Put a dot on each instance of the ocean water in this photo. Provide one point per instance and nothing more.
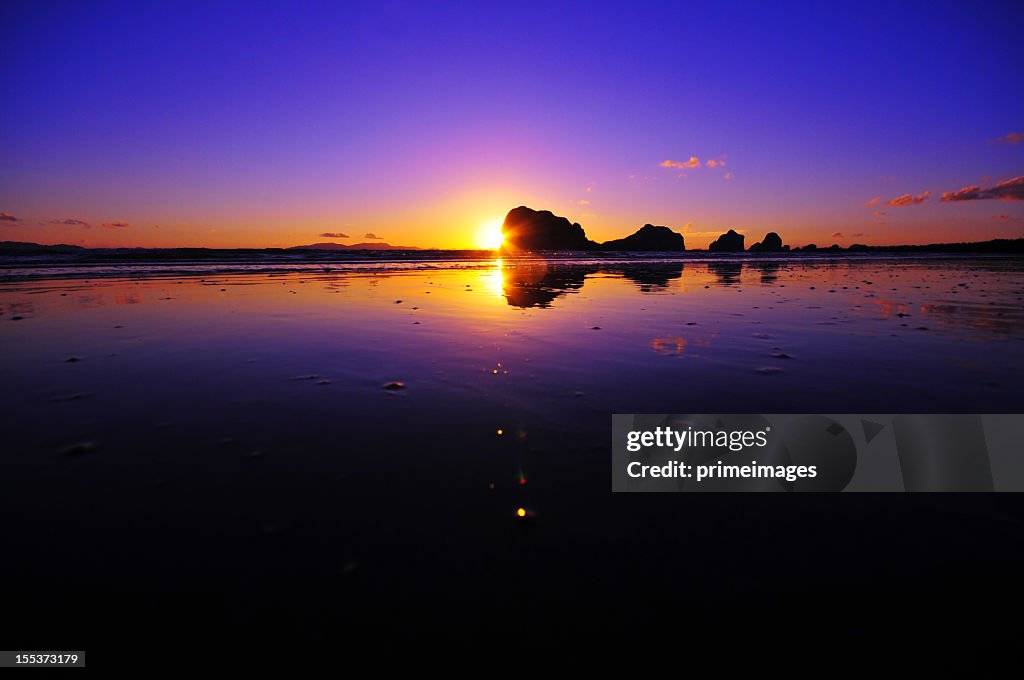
(340, 448)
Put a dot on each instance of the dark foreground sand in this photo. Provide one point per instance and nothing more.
(218, 460)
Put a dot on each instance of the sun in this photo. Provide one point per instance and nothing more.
(489, 237)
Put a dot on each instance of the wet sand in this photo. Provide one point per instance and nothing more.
(331, 456)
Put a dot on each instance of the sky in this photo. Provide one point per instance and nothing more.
(225, 124)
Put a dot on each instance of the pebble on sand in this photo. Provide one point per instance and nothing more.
(769, 370)
(71, 360)
(78, 449)
(395, 385)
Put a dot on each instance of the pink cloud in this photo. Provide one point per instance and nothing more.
(693, 162)
(908, 199)
(1007, 190)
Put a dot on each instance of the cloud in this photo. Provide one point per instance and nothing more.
(584, 202)
(8, 217)
(373, 236)
(590, 188)
(1012, 138)
(873, 201)
(908, 199)
(333, 234)
(1007, 218)
(879, 213)
(729, 175)
(694, 162)
(72, 222)
(116, 225)
(1008, 190)
(840, 234)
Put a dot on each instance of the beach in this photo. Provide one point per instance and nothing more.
(342, 451)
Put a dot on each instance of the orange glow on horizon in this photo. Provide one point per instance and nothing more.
(468, 221)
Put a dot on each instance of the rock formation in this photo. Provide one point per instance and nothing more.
(525, 229)
(729, 242)
(772, 243)
(648, 238)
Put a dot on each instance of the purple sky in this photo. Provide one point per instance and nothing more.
(424, 123)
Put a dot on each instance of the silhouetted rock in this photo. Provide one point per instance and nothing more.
(729, 242)
(772, 243)
(527, 229)
(647, 238)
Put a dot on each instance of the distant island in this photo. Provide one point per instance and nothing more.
(525, 229)
(354, 246)
(528, 230)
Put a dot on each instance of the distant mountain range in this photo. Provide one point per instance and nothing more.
(28, 248)
(354, 246)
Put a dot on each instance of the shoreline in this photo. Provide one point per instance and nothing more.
(21, 268)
